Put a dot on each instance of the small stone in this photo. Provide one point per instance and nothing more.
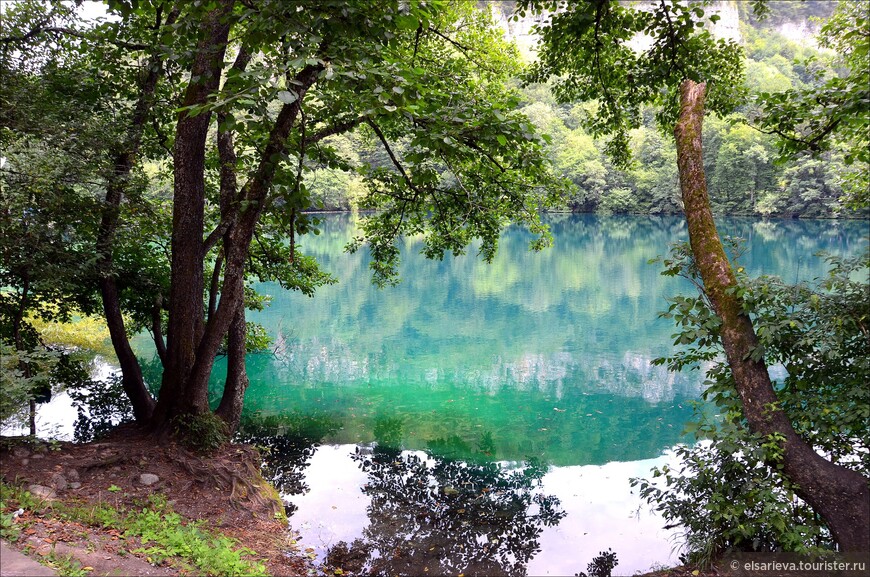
(24, 462)
(38, 456)
(75, 485)
(20, 452)
(42, 492)
(59, 482)
(72, 475)
(148, 478)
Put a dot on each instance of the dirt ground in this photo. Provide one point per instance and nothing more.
(223, 489)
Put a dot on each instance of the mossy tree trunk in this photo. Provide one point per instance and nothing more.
(839, 495)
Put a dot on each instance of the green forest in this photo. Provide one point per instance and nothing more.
(164, 166)
(746, 172)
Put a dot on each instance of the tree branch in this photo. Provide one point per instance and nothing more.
(70, 32)
(392, 156)
(338, 128)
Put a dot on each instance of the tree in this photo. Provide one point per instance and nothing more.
(722, 493)
(743, 165)
(259, 87)
(45, 207)
(587, 47)
(817, 118)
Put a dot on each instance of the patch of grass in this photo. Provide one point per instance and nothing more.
(13, 498)
(9, 529)
(67, 565)
(209, 553)
(164, 535)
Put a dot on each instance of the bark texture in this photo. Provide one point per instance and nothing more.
(839, 495)
(186, 315)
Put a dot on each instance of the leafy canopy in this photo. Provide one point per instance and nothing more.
(625, 56)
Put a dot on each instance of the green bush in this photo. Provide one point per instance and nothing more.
(203, 433)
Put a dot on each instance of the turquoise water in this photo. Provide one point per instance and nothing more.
(448, 383)
(549, 354)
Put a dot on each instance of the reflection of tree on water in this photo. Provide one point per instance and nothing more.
(286, 443)
(430, 515)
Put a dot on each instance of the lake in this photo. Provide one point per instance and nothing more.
(487, 418)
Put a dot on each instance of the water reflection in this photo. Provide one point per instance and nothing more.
(549, 351)
(437, 516)
(370, 510)
(286, 444)
(428, 512)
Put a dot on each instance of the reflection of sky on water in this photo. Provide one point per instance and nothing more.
(603, 512)
(54, 420)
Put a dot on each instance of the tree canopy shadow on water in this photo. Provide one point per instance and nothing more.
(433, 515)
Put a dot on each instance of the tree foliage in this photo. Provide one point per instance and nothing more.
(815, 337)
(836, 112)
(591, 50)
(207, 122)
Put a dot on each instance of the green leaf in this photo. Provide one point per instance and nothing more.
(287, 97)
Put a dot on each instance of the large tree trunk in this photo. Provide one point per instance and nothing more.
(839, 495)
(190, 382)
(186, 322)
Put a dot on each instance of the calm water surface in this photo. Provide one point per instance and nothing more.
(487, 418)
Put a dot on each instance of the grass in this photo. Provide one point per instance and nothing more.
(164, 535)
(67, 565)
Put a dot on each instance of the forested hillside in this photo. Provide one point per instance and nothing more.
(746, 173)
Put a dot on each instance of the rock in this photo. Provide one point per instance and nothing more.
(148, 478)
(24, 462)
(72, 475)
(75, 485)
(42, 492)
(38, 456)
(59, 482)
(20, 452)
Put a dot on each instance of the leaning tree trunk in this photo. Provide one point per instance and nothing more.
(839, 495)
(131, 373)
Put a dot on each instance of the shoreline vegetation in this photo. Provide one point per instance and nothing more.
(147, 180)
